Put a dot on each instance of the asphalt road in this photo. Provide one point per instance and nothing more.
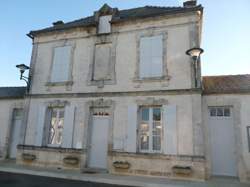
(21, 180)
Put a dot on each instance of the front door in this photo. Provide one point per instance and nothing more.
(222, 141)
(15, 132)
(99, 142)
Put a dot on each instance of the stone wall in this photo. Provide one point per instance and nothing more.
(48, 157)
(174, 167)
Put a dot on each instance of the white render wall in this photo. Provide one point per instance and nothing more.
(241, 116)
(6, 110)
(184, 119)
(179, 38)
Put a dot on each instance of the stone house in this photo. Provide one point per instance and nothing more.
(116, 92)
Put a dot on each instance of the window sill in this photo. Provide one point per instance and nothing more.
(152, 79)
(65, 83)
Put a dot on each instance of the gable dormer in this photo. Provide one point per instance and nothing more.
(103, 19)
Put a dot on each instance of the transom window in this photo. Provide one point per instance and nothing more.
(150, 129)
(151, 56)
(56, 126)
(220, 111)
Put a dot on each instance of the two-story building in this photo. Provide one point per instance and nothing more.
(116, 92)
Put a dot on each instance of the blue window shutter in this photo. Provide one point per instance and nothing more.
(68, 126)
(40, 125)
(131, 129)
(170, 129)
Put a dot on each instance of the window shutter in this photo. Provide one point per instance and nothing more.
(145, 57)
(102, 62)
(156, 56)
(68, 126)
(131, 129)
(61, 64)
(104, 24)
(40, 125)
(170, 129)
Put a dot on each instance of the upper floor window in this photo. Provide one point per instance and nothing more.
(102, 69)
(150, 129)
(104, 24)
(151, 57)
(56, 126)
(61, 64)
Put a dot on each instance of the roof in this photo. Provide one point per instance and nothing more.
(224, 84)
(12, 92)
(120, 15)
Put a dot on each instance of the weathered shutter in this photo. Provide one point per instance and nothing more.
(104, 24)
(170, 129)
(145, 57)
(131, 129)
(61, 64)
(40, 125)
(156, 56)
(68, 126)
(102, 62)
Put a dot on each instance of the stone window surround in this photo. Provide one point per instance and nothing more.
(150, 33)
(109, 106)
(148, 102)
(103, 39)
(68, 83)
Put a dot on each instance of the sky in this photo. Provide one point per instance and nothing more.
(225, 34)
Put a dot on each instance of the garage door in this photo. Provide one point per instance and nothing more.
(222, 141)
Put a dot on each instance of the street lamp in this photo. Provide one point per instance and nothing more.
(23, 68)
(195, 54)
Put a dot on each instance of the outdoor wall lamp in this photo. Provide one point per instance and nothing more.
(23, 68)
(195, 53)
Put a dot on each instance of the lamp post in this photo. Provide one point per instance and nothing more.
(23, 68)
(195, 54)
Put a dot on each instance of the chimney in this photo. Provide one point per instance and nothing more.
(58, 23)
(190, 3)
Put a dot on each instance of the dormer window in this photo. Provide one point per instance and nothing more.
(104, 24)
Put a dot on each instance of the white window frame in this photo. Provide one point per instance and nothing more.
(150, 122)
(49, 124)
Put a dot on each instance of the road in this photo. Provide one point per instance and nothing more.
(22, 180)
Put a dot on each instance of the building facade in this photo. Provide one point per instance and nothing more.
(116, 92)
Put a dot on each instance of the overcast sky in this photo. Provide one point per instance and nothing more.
(225, 37)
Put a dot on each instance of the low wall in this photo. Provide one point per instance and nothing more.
(174, 167)
(60, 158)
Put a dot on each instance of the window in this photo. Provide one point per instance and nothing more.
(220, 111)
(102, 62)
(150, 129)
(151, 56)
(61, 64)
(104, 24)
(56, 126)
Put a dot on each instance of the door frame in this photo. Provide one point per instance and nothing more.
(109, 106)
(10, 132)
(235, 111)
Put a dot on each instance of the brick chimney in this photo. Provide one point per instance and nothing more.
(190, 3)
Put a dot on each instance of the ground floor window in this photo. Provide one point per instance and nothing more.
(56, 126)
(150, 129)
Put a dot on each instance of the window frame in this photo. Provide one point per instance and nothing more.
(150, 123)
(217, 108)
(49, 119)
(165, 77)
(69, 82)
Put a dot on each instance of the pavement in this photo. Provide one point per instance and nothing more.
(75, 179)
